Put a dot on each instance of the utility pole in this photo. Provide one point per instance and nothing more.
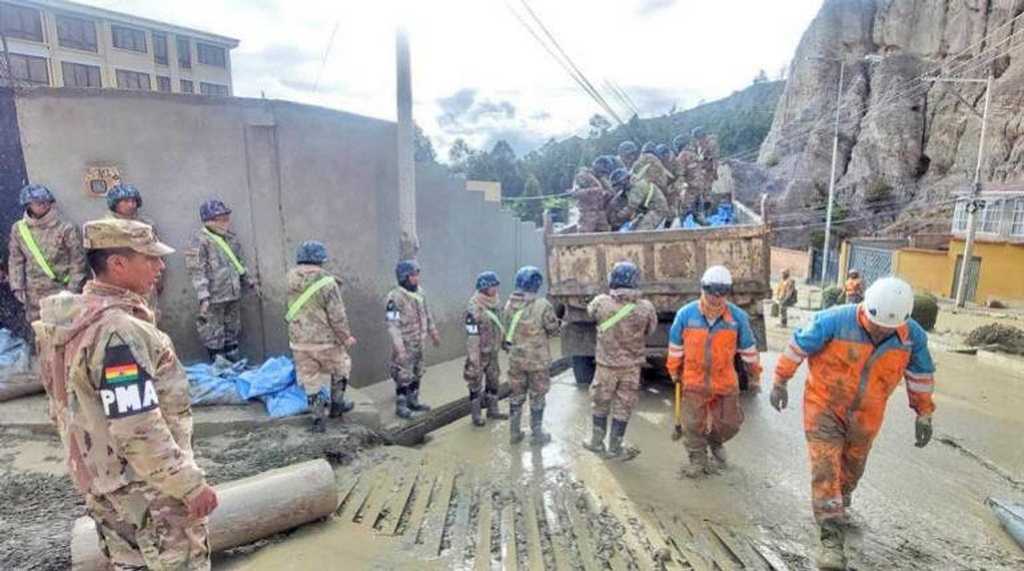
(408, 242)
(972, 203)
(832, 176)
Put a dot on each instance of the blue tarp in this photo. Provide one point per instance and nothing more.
(273, 383)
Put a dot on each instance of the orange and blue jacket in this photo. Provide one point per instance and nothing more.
(701, 354)
(850, 375)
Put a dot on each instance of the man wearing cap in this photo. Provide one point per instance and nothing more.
(857, 356)
(124, 202)
(45, 253)
(128, 428)
(409, 322)
(219, 277)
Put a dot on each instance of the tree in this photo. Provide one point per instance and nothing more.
(761, 77)
(532, 209)
(599, 125)
(423, 148)
(459, 155)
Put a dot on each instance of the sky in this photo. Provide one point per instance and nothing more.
(477, 73)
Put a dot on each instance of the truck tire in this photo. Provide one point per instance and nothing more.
(583, 369)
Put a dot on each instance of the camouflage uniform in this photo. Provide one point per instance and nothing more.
(529, 347)
(649, 204)
(484, 333)
(318, 336)
(61, 245)
(120, 397)
(706, 151)
(216, 280)
(409, 323)
(676, 193)
(621, 351)
(650, 168)
(592, 199)
(153, 299)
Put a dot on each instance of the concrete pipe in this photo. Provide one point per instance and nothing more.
(250, 509)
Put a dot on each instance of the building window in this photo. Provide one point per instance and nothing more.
(129, 38)
(76, 33)
(213, 89)
(163, 83)
(80, 75)
(990, 214)
(186, 86)
(133, 80)
(30, 69)
(21, 22)
(960, 216)
(160, 48)
(1017, 228)
(184, 53)
(211, 55)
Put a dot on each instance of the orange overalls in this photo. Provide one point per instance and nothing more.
(849, 385)
(701, 356)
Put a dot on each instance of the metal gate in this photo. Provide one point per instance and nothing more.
(831, 274)
(973, 271)
(873, 263)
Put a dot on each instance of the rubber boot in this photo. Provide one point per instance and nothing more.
(616, 449)
(476, 409)
(831, 555)
(493, 412)
(316, 406)
(414, 402)
(719, 459)
(596, 444)
(698, 467)
(340, 408)
(515, 423)
(402, 409)
(537, 435)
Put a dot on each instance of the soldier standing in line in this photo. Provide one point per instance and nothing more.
(319, 334)
(121, 402)
(531, 325)
(45, 254)
(409, 324)
(484, 334)
(592, 200)
(624, 323)
(219, 277)
(124, 202)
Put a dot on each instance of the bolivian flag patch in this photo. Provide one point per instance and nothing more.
(126, 388)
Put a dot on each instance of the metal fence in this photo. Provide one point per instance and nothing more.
(873, 263)
(831, 274)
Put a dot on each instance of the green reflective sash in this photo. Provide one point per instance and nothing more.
(515, 323)
(226, 248)
(650, 193)
(37, 254)
(495, 319)
(310, 291)
(412, 294)
(621, 314)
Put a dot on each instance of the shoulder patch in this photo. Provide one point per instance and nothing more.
(472, 326)
(126, 388)
(391, 311)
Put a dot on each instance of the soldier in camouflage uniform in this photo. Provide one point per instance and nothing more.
(592, 199)
(319, 334)
(531, 323)
(409, 324)
(484, 334)
(628, 153)
(704, 149)
(645, 201)
(650, 168)
(120, 397)
(624, 321)
(219, 277)
(617, 207)
(124, 202)
(45, 254)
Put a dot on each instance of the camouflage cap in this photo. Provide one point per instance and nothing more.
(109, 233)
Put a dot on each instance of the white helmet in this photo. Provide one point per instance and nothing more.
(889, 302)
(717, 275)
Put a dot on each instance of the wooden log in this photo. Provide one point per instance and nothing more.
(250, 509)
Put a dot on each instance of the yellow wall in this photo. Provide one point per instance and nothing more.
(927, 270)
(1002, 270)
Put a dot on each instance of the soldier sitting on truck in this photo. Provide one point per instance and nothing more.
(646, 202)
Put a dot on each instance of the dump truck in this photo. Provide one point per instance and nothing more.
(671, 263)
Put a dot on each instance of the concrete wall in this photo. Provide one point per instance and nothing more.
(798, 262)
(1000, 274)
(291, 173)
(928, 271)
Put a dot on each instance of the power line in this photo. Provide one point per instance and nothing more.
(327, 51)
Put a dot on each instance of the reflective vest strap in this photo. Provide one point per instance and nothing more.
(226, 248)
(650, 193)
(37, 254)
(310, 291)
(621, 314)
(495, 319)
(515, 323)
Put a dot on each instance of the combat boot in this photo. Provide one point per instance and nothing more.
(719, 458)
(414, 402)
(537, 435)
(402, 409)
(340, 408)
(596, 444)
(515, 423)
(493, 412)
(616, 449)
(698, 467)
(316, 406)
(831, 555)
(476, 409)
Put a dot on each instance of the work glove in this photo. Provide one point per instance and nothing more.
(779, 397)
(923, 430)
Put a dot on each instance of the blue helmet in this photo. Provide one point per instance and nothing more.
(624, 275)
(529, 279)
(486, 280)
(603, 165)
(311, 252)
(212, 209)
(35, 193)
(123, 192)
(619, 178)
(405, 269)
(627, 148)
(679, 143)
(697, 132)
(663, 152)
(649, 147)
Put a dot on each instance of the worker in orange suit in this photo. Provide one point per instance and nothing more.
(854, 288)
(704, 340)
(857, 355)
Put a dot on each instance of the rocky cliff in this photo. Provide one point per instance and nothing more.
(905, 144)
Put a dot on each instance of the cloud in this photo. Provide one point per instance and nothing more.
(648, 7)
(465, 110)
(455, 106)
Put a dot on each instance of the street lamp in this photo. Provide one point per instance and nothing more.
(972, 204)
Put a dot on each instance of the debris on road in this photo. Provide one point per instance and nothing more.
(1005, 338)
